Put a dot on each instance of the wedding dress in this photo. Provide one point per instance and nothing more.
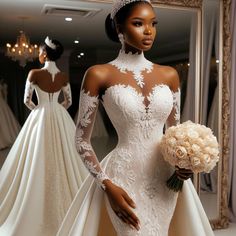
(135, 164)
(9, 126)
(43, 170)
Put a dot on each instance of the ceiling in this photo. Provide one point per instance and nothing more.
(173, 27)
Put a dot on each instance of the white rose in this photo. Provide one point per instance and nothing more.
(196, 148)
(171, 142)
(183, 164)
(195, 161)
(179, 135)
(192, 134)
(181, 152)
(207, 158)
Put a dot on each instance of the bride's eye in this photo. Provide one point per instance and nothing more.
(137, 23)
(154, 23)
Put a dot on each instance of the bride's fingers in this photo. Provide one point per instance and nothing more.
(129, 200)
(131, 221)
(122, 217)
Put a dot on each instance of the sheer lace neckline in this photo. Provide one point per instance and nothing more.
(135, 63)
(51, 67)
(140, 95)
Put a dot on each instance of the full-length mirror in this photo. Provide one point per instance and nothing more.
(211, 98)
(189, 38)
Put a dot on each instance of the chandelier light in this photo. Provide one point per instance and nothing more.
(22, 51)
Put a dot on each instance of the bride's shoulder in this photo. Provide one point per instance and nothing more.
(32, 75)
(98, 71)
(96, 76)
(168, 74)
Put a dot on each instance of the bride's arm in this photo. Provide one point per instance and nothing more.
(29, 89)
(67, 96)
(88, 105)
(174, 117)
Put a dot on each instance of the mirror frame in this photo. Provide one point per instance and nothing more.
(224, 72)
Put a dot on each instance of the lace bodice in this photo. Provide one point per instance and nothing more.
(134, 122)
(45, 97)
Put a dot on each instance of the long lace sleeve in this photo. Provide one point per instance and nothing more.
(87, 112)
(174, 117)
(67, 96)
(29, 89)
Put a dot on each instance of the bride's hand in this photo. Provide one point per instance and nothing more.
(121, 204)
(182, 173)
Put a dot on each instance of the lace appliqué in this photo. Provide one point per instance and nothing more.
(145, 117)
(51, 67)
(67, 96)
(176, 105)
(87, 113)
(29, 89)
(136, 63)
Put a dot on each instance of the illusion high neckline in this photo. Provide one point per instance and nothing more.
(51, 67)
(136, 63)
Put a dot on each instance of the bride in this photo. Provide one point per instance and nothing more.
(140, 97)
(43, 171)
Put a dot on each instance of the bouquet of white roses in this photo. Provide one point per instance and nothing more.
(189, 146)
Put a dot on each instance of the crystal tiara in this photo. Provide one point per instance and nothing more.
(118, 4)
(49, 43)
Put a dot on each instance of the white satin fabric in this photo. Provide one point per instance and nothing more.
(42, 172)
(87, 214)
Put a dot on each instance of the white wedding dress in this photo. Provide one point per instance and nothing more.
(9, 126)
(43, 170)
(135, 164)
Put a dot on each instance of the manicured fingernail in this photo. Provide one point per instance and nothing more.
(132, 226)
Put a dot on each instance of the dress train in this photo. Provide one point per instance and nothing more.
(87, 214)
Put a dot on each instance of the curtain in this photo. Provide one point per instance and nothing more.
(209, 111)
(188, 112)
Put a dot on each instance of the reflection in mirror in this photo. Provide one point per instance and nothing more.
(9, 126)
(210, 87)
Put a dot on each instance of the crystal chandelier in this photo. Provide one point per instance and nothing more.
(22, 51)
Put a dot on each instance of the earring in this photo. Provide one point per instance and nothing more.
(121, 39)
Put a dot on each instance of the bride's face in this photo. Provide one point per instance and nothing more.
(139, 29)
(41, 55)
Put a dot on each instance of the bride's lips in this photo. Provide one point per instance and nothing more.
(147, 41)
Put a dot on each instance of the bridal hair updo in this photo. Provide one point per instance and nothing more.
(53, 53)
(119, 19)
